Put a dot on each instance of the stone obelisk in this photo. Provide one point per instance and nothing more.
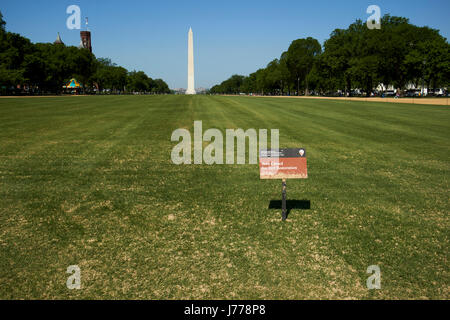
(191, 84)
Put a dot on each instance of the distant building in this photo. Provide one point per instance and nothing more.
(86, 40)
(58, 40)
(179, 90)
(201, 90)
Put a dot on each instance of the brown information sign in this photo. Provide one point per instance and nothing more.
(283, 164)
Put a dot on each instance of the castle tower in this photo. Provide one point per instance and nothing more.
(58, 40)
(86, 38)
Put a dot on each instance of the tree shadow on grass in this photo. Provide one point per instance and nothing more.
(291, 204)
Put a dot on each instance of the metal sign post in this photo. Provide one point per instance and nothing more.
(283, 200)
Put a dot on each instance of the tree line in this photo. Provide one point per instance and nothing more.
(46, 67)
(398, 54)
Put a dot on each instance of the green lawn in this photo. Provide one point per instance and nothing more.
(88, 181)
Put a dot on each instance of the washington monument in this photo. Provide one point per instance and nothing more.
(191, 85)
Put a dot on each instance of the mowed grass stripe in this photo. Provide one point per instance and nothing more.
(89, 181)
(368, 168)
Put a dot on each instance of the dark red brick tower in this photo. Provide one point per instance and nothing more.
(86, 40)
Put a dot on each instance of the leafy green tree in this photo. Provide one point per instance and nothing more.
(160, 87)
(355, 58)
(249, 84)
(261, 81)
(46, 67)
(397, 54)
(110, 76)
(274, 77)
(429, 62)
(49, 66)
(13, 49)
(137, 81)
(284, 73)
(2, 23)
(300, 59)
(230, 86)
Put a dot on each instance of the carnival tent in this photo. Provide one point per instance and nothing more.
(73, 84)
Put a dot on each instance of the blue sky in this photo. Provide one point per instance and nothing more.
(229, 36)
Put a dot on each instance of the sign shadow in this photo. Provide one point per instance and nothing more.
(290, 204)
